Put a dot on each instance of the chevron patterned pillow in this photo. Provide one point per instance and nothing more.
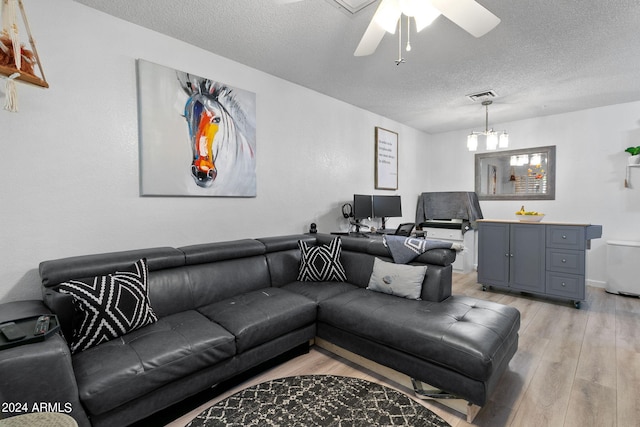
(321, 263)
(109, 306)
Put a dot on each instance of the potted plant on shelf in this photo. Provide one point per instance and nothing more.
(635, 155)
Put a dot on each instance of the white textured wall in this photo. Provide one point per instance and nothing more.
(69, 159)
(590, 172)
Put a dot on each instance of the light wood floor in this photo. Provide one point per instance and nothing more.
(573, 367)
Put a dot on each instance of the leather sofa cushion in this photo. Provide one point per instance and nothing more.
(35, 373)
(283, 266)
(214, 282)
(60, 270)
(358, 267)
(283, 243)
(319, 291)
(464, 334)
(260, 316)
(141, 361)
(219, 251)
(170, 291)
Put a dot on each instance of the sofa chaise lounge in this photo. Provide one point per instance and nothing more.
(222, 308)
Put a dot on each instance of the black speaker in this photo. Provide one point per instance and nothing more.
(313, 229)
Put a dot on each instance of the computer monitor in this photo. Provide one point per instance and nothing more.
(387, 206)
(362, 206)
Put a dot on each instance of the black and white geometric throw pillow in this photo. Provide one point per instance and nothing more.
(109, 306)
(321, 263)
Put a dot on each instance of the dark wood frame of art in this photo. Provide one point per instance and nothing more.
(384, 176)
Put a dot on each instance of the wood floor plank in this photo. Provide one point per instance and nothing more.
(601, 306)
(628, 398)
(591, 405)
(595, 364)
(627, 330)
(522, 369)
(546, 399)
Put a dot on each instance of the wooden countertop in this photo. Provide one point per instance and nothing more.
(543, 222)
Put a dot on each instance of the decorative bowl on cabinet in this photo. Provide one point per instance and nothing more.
(530, 218)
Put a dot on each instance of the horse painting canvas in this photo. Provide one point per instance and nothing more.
(197, 135)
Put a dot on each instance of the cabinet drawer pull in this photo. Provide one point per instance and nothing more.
(564, 237)
(564, 260)
(563, 284)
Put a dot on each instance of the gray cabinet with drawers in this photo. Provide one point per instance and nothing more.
(540, 258)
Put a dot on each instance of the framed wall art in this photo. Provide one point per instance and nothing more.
(197, 135)
(386, 159)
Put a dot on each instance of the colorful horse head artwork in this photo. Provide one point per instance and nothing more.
(220, 135)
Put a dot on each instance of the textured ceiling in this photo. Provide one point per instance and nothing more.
(545, 57)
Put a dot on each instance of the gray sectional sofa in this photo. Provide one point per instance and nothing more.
(223, 308)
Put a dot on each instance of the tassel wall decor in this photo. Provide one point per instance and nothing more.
(10, 29)
(16, 62)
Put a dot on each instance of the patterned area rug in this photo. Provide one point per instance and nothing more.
(318, 400)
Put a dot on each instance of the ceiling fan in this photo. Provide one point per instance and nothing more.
(468, 14)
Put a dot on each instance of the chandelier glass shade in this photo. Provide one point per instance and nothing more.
(493, 138)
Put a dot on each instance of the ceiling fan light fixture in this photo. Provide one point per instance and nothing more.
(387, 15)
(467, 14)
(410, 7)
(425, 14)
(423, 21)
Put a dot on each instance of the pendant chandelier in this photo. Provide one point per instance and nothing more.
(493, 140)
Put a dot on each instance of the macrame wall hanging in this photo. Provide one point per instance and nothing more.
(17, 62)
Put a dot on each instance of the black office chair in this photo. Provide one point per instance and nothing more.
(405, 229)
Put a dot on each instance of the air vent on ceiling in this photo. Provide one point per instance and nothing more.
(351, 6)
(482, 96)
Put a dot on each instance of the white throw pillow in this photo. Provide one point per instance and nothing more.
(397, 279)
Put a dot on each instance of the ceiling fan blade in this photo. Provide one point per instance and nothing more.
(383, 18)
(469, 15)
(370, 40)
